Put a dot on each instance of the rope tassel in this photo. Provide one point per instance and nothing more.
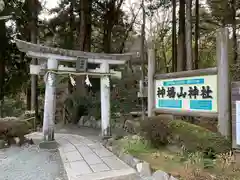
(87, 81)
(73, 82)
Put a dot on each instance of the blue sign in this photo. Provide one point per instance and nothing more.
(183, 82)
(169, 103)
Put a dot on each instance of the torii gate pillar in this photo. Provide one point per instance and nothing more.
(105, 101)
(50, 101)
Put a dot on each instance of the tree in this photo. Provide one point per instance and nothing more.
(3, 52)
(181, 64)
(12, 62)
(189, 59)
(196, 34)
(174, 37)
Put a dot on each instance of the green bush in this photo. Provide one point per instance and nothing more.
(13, 107)
(191, 137)
(156, 132)
(194, 137)
(30, 117)
(13, 127)
(83, 105)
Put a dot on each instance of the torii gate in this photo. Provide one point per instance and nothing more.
(54, 57)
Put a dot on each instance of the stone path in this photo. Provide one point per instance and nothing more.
(86, 159)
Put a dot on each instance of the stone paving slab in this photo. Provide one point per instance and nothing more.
(85, 159)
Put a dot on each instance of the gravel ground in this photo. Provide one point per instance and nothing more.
(30, 163)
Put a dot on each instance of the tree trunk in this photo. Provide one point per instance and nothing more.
(234, 29)
(196, 34)
(28, 100)
(143, 58)
(189, 34)
(85, 25)
(2, 82)
(34, 78)
(111, 16)
(181, 38)
(3, 49)
(84, 38)
(108, 26)
(174, 37)
(71, 25)
(107, 37)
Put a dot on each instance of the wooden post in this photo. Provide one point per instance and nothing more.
(151, 72)
(223, 82)
(50, 102)
(105, 101)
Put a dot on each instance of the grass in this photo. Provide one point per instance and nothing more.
(183, 165)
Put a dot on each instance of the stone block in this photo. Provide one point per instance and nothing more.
(99, 167)
(84, 150)
(80, 167)
(73, 156)
(92, 159)
(88, 123)
(50, 145)
(144, 169)
(17, 141)
(82, 120)
(2, 144)
(103, 152)
(96, 146)
(130, 160)
(93, 122)
(68, 148)
(114, 163)
(161, 175)
(110, 148)
(99, 124)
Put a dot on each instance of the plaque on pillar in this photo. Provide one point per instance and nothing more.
(81, 64)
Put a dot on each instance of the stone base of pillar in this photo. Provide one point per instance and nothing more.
(48, 135)
(49, 145)
(106, 133)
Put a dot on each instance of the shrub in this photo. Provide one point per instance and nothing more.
(192, 137)
(12, 107)
(156, 132)
(30, 117)
(79, 105)
(11, 127)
